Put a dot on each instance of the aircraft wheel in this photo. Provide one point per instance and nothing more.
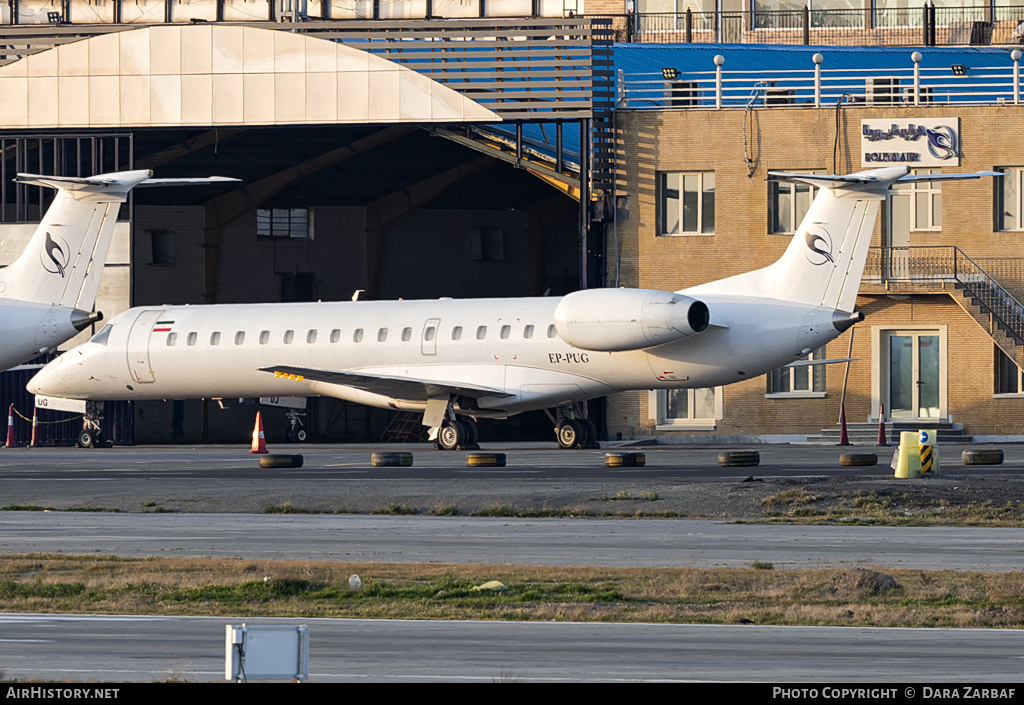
(570, 434)
(472, 432)
(297, 435)
(87, 439)
(451, 436)
(589, 430)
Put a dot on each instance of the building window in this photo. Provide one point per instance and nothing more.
(162, 242)
(801, 380)
(687, 203)
(925, 201)
(487, 244)
(1010, 199)
(692, 409)
(788, 203)
(294, 223)
(1009, 377)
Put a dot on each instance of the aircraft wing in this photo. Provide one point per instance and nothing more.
(387, 385)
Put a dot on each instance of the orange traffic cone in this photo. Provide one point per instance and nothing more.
(259, 443)
(11, 443)
(34, 443)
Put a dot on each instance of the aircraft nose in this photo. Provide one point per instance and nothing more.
(46, 382)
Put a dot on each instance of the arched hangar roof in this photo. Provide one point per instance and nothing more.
(219, 75)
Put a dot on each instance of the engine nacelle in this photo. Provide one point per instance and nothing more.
(612, 320)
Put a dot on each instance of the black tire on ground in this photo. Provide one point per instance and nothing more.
(982, 456)
(451, 436)
(858, 459)
(87, 439)
(472, 432)
(485, 460)
(589, 431)
(280, 461)
(625, 460)
(570, 434)
(739, 458)
(391, 459)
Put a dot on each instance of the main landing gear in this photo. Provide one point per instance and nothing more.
(574, 430)
(455, 434)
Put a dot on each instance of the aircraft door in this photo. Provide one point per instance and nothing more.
(428, 344)
(138, 346)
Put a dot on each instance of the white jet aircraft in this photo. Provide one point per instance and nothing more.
(493, 358)
(48, 293)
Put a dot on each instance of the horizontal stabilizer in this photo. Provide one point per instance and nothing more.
(123, 180)
(868, 178)
(386, 385)
(805, 363)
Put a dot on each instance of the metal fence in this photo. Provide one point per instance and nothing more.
(947, 264)
(817, 85)
(925, 25)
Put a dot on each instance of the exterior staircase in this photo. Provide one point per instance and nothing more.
(404, 427)
(866, 434)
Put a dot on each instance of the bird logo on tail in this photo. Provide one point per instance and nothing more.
(54, 256)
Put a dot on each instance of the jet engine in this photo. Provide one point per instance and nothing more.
(612, 320)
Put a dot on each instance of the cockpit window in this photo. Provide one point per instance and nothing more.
(101, 337)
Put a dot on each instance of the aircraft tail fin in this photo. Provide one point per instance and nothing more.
(65, 257)
(824, 262)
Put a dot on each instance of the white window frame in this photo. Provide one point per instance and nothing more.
(1015, 178)
(927, 219)
(677, 205)
(796, 215)
(1000, 358)
(816, 377)
(657, 402)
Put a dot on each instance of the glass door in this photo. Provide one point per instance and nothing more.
(914, 376)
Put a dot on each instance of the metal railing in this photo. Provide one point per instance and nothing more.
(948, 264)
(924, 25)
(817, 86)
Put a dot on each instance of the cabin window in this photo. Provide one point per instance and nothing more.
(382, 335)
(311, 336)
(551, 331)
(481, 332)
(505, 332)
(101, 337)
(192, 338)
(357, 336)
(172, 338)
(215, 338)
(239, 337)
(335, 335)
(528, 331)
(686, 203)
(406, 335)
(289, 336)
(264, 337)
(429, 334)
(457, 333)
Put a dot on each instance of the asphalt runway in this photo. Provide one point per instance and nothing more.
(214, 498)
(132, 649)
